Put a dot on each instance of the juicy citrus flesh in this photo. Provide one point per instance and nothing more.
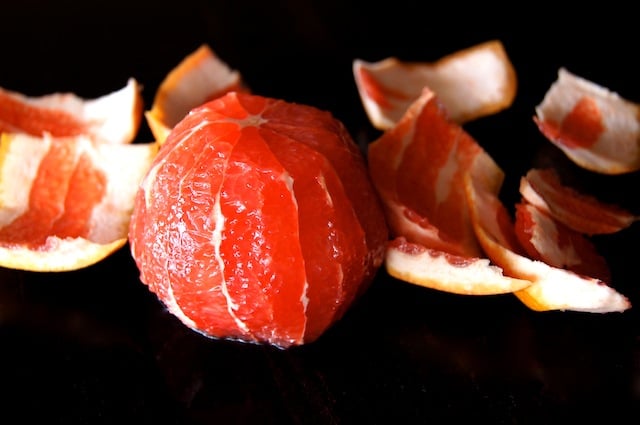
(246, 228)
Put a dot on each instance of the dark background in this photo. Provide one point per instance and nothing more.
(94, 346)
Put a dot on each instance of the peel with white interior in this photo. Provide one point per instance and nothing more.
(595, 127)
(112, 118)
(552, 288)
(199, 77)
(74, 201)
(578, 211)
(438, 270)
(471, 83)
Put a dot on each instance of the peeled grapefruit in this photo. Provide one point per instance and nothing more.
(257, 221)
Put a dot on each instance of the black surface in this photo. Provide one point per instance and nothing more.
(94, 346)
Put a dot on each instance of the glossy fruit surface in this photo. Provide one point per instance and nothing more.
(257, 221)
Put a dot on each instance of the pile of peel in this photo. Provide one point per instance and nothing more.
(441, 189)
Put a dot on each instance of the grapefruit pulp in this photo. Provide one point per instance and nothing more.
(257, 221)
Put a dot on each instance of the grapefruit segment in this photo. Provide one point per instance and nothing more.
(112, 118)
(342, 239)
(596, 128)
(581, 212)
(252, 199)
(74, 195)
(246, 228)
(322, 133)
(471, 83)
(199, 77)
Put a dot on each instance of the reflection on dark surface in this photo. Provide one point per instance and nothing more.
(94, 346)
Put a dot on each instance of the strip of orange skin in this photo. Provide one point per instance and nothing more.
(580, 128)
(446, 272)
(18, 116)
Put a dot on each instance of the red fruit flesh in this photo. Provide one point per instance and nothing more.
(257, 221)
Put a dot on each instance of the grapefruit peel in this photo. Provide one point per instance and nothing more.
(473, 82)
(435, 269)
(546, 239)
(576, 210)
(414, 167)
(68, 174)
(198, 77)
(58, 254)
(76, 209)
(111, 118)
(595, 127)
(412, 258)
(434, 246)
(552, 288)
